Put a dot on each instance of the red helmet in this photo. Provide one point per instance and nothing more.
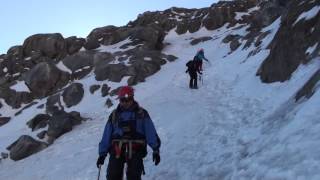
(125, 91)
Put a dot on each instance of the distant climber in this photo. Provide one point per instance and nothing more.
(193, 73)
(198, 58)
(128, 131)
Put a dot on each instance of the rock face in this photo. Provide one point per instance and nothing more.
(73, 94)
(288, 48)
(24, 147)
(45, 78)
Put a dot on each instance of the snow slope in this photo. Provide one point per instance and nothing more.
(232, 127)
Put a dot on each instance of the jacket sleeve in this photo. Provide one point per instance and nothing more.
(203, 57)
(152, 137)
(105, 142)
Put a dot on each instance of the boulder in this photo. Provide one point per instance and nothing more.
(4, 120)
(112, 72)
(201, 39)
(59, 123)
(73, 94)
(74, 44)
(93, 88)
(13, 98)
(53, 103)
(41, 134)
(105, 90)
(24, 147)
(39, 121)
(44, 79)
(91, 44)
(109, 103)
(52, 46)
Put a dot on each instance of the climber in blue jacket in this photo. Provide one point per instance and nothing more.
(128, 130)
(198, 58)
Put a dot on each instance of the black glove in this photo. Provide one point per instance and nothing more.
(100, 161)
(156, 157)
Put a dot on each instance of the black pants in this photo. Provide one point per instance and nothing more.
(193, 80)
(116, 166)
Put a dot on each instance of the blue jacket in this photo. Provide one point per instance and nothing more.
(144, 127)
(200, 56)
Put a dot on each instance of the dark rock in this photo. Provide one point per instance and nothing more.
(59, 123)
(50, 45)
(4, 155)
(91, 44)
(25, 107)
(41, 134)
(53, 103)
(4, 120)
(39, 121)
(234, 45)
(109, 103)
(93, 88)
(40, 106)
(102, 57)
(112, 72)
(73, 94)
(287, 52)
(105, 90)
(1, 105)
(76, 118)
(115, 91)
(104, 34)
(74, 44)
(79, 60)
(308, 89)
(24, 147)
(152, 36)
(80, 64)
(202, 39)
(13, 98)
(44, 79)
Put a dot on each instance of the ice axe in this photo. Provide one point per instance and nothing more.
(99, 172)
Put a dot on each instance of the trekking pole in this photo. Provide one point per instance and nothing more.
(99, 172)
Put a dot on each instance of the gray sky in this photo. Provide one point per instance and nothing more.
(22, 18)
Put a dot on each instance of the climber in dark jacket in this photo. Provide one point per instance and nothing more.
(128, 130)
(193, 73)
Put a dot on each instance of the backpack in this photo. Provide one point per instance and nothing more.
(189, 64)
(140, 114)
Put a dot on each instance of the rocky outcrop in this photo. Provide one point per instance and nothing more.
(44, 79)
(288, 48)
(24, 147)
(73, 94)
